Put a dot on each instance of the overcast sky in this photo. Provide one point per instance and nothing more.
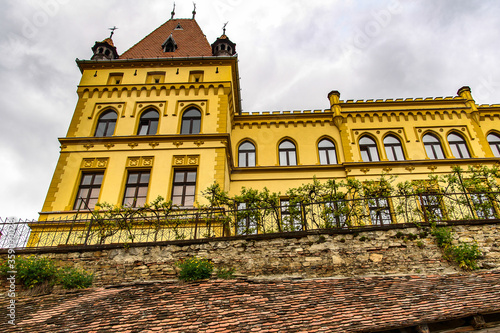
(291, 54)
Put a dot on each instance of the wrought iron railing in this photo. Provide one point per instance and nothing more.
(178, 224)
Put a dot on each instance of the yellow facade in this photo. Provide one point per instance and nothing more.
(210, 84)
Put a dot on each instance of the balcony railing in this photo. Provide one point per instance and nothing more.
(187, 224)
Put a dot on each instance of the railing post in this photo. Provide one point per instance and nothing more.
(74, 220)
(424, 208)
(88, 231)
(195, 225)
(303, 216)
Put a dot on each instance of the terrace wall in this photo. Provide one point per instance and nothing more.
(319, 253)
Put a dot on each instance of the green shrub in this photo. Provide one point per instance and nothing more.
(465, 255)
(32, 271)
(443, 236)
(71, 278)
(192, 269)
(225, 273)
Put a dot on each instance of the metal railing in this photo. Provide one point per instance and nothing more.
(188, 224)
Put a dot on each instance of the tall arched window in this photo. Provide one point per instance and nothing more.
(326, 151)
(246, 154)
(191, 122)
(148, 125)
(433, 147)
(393, 148)
(368, 149)
(106, 124)
(494, 141)
(287, 153)
(458, 146)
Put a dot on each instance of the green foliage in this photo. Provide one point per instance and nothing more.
(225, 273)
(465, 254)
(192, 269)
(33, 271)
(443, 236)
(71, 278)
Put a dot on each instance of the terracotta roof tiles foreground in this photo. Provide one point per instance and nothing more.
(325, 305)
(187, 34)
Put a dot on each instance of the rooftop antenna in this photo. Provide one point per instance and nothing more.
(224, 28)
(173, 12)
(112, 31)
(194, 9)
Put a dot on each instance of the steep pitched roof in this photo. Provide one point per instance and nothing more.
(324, 305)
(190, 41)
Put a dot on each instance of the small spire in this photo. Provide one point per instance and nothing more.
(112, 31)
(173, 12)
(224, 28)
(194, 9)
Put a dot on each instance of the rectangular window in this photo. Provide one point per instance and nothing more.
(380, 212)
(290, 216)
(483, 206)
(115, 78)
(184, 188)
(88, 192)
(155, 77)
(334, 214)
(432, 204)
(136, 190)
(247, 223)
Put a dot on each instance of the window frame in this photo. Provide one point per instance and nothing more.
(392, 148)
(147, 122)
(183, 184)
(434, 208)
(327, 152)
(287, 152)
(246, 153)
(289, 222)
(136, 186)
(460, 146)
(496, 144)
(89, 187)
(188, 121)
(106, 123)
(432, 146)
(380, 210)
(364, 147)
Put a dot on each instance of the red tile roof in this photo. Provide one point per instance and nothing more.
(190, 40)
(326, 305)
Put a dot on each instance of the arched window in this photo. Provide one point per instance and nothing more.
(368, 148)
(326, 151)
(494, 141)
(287, 153)
(246, 154)
(458, 146)
(106, 124)
(433, 147)
(191, 122)
(393, 148)
(148, 125)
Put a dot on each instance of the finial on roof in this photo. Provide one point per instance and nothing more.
(194, 9)
(173, 12)
(112, 31)
(224, 28)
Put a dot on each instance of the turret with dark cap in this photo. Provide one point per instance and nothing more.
(105, 50)
(223, 45)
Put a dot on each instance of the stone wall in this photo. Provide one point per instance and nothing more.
(395, 250)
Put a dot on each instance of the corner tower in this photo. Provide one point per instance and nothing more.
(153, 121)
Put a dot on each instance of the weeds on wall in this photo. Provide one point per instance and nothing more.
(34, 271)
(192, 269)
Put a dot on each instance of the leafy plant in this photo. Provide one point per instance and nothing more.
(225, 273)
(72, 278)
(32, 271)
(443, 236)
(465, 254)
(192, 269)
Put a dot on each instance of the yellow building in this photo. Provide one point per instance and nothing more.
(164, 119)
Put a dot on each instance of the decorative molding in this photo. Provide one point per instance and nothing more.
(199, 142)
(177, 143)
(132, 145)
(140, 161)
(117, 106)
(63, 147)
(161, 106)
(186, 160)
(364, 170)
(410, 168)
(432, 168)
(109, 145)
(387, 169)
(88, 146)
(88, 163)
(154, 144)
(201, 104)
